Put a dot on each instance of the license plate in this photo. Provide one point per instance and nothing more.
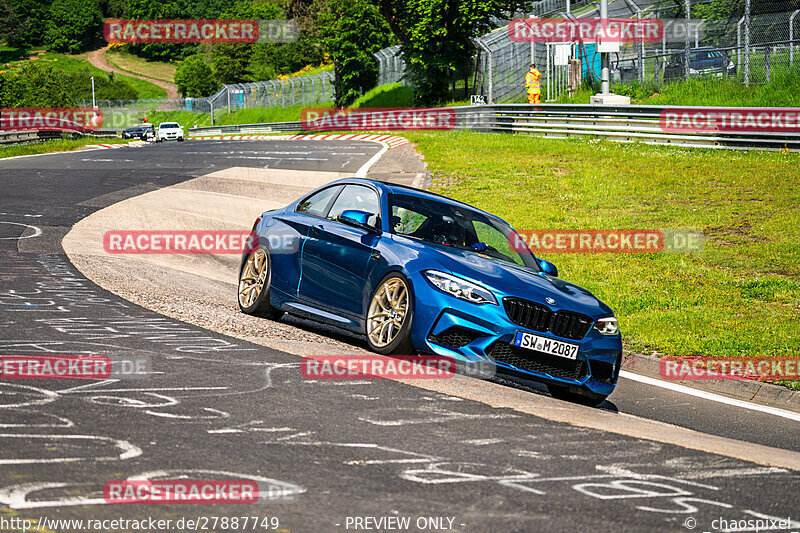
(548, 346)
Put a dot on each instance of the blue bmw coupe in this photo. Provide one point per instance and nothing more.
(418, 272)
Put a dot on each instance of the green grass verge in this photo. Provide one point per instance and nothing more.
(46, 147)
(782, 91)
(739, 296)
(242, 116)
(389, 95)
(78, 63)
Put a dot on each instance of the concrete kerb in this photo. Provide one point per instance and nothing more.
(742, 389)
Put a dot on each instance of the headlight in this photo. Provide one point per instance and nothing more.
(730, 65)
(607, 326)
(460, 288)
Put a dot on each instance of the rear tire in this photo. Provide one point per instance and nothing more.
(389, 317)
(254, 281)
(592, 399)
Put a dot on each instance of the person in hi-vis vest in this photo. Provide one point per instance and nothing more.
(532, 85)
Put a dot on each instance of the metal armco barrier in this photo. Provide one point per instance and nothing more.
(24, 137)
(616, 123)
(246, 129)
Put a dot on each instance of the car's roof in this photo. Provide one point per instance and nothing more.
(396, 188)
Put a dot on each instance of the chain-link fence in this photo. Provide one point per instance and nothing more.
(751, 47)
(299, 90)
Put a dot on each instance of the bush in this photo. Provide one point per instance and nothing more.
(42, 85)
(195, 78)
(36, 85)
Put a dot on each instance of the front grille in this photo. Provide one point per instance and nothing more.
(540, 362)
(455, 337)
(539, 317)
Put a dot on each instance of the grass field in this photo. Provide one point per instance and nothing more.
(739, 296)
(783, 91)
(76, 63)
(158, 70)
(63, 145)
(242, 116)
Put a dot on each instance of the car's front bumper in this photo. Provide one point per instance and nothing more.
(447, 326)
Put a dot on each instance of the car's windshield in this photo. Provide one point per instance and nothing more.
(456, 226)
(706, 55)
(169, 125)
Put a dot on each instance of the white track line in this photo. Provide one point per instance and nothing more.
(710, 396)
(362, 172)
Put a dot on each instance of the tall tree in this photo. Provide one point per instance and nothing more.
(73, 25)
(353, 30)
(436, 37)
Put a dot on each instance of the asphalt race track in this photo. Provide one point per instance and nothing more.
(343, 453)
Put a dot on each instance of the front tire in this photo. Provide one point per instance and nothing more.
(254, 282)
(389, 317)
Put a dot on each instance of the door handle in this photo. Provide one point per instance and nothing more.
(317, 228)
(375, 255)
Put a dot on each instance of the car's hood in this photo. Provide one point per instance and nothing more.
(506, 279)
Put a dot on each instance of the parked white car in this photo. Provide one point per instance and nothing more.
(169, 131)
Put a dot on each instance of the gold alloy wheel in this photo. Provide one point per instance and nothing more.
(253, 278)
(387, 311)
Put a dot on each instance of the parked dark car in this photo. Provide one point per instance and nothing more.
(707, 61)
(140, 131)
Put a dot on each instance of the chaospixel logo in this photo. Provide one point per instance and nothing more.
(718, 368)
(542, 30)
(179, 242)
(620, 241)
(50, 118)
(720, 119)
(377, 119)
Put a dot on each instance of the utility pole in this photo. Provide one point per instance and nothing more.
(93, 100)
(747, 42)
(605, 59)
(686, 63)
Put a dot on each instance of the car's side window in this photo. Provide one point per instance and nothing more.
(357, 197)
(317, 203)
(405, 221)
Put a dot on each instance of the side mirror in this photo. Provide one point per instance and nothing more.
(354, 217)
(548, 267)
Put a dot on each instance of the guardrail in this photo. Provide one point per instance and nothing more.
(618, 123)
(639, 123)
(245, 129)
(25, 137)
